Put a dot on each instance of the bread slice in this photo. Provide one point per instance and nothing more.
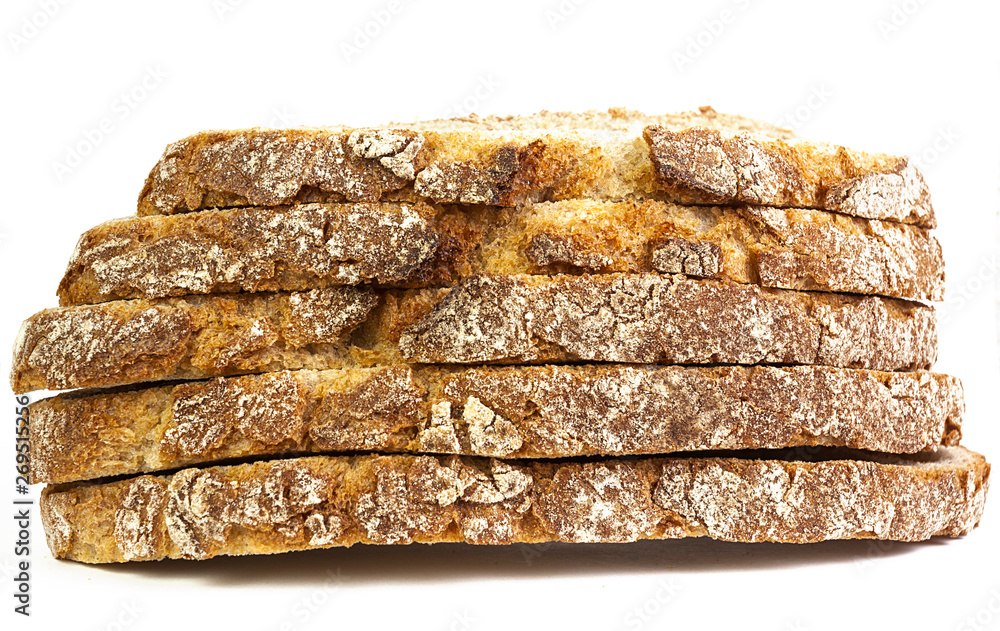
(313, 245)
(636, 318)
(630, 318)
(133, 341)
(320, 502)
(509, 412)
(694, 157)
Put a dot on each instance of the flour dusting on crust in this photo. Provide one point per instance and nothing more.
(138, 519)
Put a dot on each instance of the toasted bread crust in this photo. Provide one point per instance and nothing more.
(510, 412)
(666, 319)
(501, 165)
(123, 342)
(317, 502)
(709, 166)
(295, 248)
(254, 249)
(632, 318)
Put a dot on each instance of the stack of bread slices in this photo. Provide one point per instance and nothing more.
(598, 327)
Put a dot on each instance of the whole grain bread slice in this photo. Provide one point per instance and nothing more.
(647, 318)
(508, 412)
(630, 318)
(311, 246)
(693, 157)
(320, 502)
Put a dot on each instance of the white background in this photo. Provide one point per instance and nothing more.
(885, 75)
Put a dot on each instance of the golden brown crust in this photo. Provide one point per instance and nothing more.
(318, 502)
(510, 412)
(259, 249)
(474, 162)
(123, 342)
(773, 247)
(666, 319)
(270, 167)
(313, 246)
(632, 318)
(708, 166)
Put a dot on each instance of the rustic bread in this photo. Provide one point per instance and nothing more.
(696, 157)
(644, 318)
(312, 246)
(509, 412)
(631, 318)
(319, 502)
(132, 341)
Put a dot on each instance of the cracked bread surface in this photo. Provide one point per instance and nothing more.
(318, 502)
(131, 341)
(709, 166)
(310, 246)
(694, 157)
(630, 318)
(505, 412)
(648, 318)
